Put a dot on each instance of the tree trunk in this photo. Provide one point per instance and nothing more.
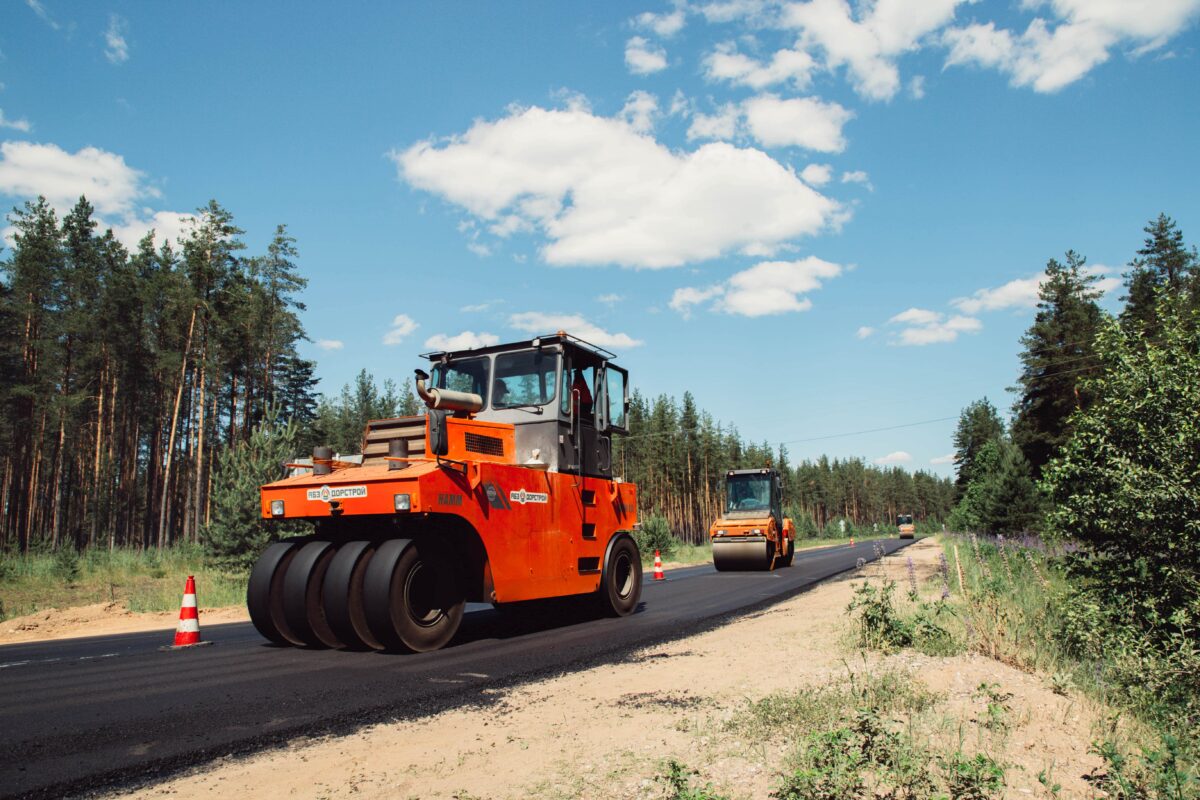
(162, 515)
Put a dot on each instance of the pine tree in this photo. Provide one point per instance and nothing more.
(1059, 352)
(1164, 264)
(978, 424)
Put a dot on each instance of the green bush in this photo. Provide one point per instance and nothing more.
(881, 626)
(655, 534)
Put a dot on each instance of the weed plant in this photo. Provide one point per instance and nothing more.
(678, 781)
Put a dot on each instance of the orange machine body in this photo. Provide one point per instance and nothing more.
(733, 529)
(543, 534)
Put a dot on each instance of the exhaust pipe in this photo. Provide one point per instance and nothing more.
(446, 398)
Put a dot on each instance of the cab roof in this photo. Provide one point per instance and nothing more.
(560, 338)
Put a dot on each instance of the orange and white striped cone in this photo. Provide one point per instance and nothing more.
(658, 573)
(852, 541)
(188, 632)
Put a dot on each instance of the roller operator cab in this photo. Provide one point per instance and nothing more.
(904, 522)
(752, 533)
(502, 492)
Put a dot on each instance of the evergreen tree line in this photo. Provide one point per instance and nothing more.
(124, 374)
(1070, 366)
(678, 456)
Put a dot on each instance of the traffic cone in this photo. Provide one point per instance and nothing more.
(188, 632)
(852, 541)
(658, 573)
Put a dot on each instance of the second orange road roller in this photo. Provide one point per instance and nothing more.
(752, 533)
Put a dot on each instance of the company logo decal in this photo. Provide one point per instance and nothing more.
(447, 499)
(521, 496)
(326, 494)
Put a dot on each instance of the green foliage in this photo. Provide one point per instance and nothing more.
(978, 424)
(978, 777)
(1001, 497)
(66, 564)
(1158, 773)
(678, 784)
(1165, 268)
(881, 626)
(340, 421)
(655, 534)
(1058, 353)
(238, 533)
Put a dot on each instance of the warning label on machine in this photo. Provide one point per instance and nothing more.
(337, 493)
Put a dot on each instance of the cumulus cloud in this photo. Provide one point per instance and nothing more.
(537, 322)
(665, 25)
(770, 287)
(643, 57)
(115, 189)
(1055, 52)
(946, 459)
(640, 111)
(865, 332)
(898, 457)
(21, 124)
(859, 177)
(402, 326)
(722, 125)
(922, 326)
(1023, 292)
(720, 11)
(725, 63)
(870, 45)
(467, 340)
(798, 121)
(817, 174)
(602, 193)
(330, 344)
(116, 49)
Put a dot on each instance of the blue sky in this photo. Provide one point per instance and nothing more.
(820, 217)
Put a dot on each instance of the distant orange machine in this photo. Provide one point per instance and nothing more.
(503, 492)
(752, 533)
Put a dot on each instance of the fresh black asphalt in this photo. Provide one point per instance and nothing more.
(82, 716)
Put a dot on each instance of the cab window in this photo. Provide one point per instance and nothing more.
(463, 375)
(524, 379)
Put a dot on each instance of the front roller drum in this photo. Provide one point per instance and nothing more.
(264, 593)
(412, 595)
(731, 556)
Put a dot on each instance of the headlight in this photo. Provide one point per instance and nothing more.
(720, 533)
(757, 531)
(403, 502)
(276, 508)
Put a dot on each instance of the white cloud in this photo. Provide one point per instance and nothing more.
(467, 340)
(946, 459)
(116, 49)
(644, 58)
(603, 194)
(330, 344)
(865, 331)
(1020, 293)
(665, 25)
(685, 298)
(770, 287)
(402, 326)
(916, 87)
(898, 457)
(168, 226)
(1055, 52)
(41, 11)
(610, 299)
(923, 327)
(478, 307)
(800, 121)
(721, 11)
(723, 125)
(1107, 278)
(28, 169)
(725, 63)
(640, 111)
(15, 124)
(869, 46)
(858, 176)
(817, 174)
(537, 322)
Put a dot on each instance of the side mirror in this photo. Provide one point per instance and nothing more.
(439, 439)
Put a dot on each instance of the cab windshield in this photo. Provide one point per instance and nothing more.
(463, 375)
(748, 493)
(524, 379)
(904, 519)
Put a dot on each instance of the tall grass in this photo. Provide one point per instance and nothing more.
(138, 580)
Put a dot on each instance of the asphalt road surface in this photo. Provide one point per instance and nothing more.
(84, 715)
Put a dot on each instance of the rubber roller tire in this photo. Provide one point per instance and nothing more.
(412, 596)
(786, 559)
(343, 595)
(302, 607)
(621, 579)
(264, 593)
